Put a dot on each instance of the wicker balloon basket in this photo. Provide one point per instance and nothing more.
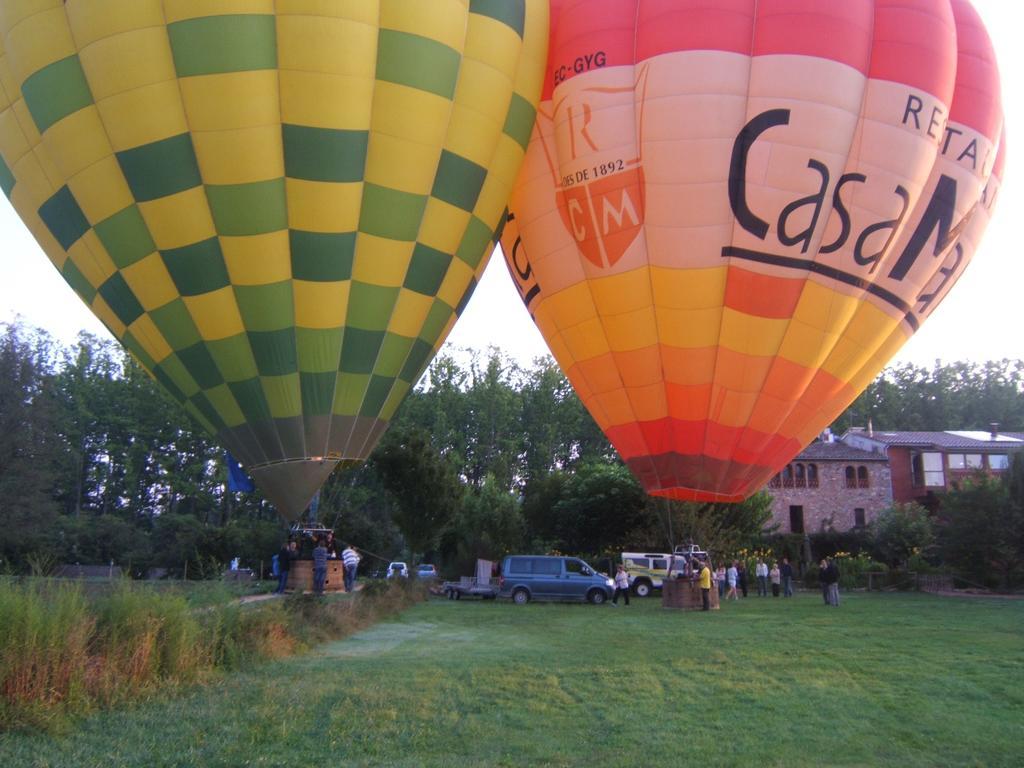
(300, 576)
(684, 595)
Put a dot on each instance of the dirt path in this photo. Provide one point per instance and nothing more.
(245, 600)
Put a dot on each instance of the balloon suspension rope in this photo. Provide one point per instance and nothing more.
(671, 536)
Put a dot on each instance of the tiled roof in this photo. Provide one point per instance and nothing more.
(836, 451)
(951, 440)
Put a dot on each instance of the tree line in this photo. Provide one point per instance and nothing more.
(485, 456)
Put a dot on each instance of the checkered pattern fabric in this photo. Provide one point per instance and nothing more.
(279, 207)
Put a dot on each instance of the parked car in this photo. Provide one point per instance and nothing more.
(426, 571)
(398, 570)
(536, 577)
(648, 570)
(690, 551)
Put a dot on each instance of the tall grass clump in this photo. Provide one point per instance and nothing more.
(143, 637)
(63, 653)
(45, 633)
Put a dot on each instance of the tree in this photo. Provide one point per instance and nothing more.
(540, 496)
(28, 446)
(493, 430)
(590, 511)
(982, 528)
(901, 531)
(356, 503)
(488, 524)
(426, 489)
(93, 540)
(721, 529)
(961, 395)
(558, 432)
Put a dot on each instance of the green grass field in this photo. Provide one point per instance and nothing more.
(902, 680)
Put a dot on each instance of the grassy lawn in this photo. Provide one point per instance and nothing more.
(907, 680)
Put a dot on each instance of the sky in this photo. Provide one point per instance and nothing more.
(978, 321)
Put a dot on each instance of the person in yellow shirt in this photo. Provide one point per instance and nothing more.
(705, 586)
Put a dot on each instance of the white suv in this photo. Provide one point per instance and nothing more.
(397, 569)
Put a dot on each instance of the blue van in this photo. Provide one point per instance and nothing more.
(536, 577)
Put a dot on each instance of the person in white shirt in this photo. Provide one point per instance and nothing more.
(350, 558)
(761, 571)
(732, 576)
(621, 585)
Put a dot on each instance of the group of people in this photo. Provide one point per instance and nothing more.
(325, 548)
(732, 581)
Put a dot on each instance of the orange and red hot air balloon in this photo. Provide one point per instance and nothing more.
(733, 212)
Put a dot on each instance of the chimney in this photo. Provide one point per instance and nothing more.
(871, 429)
(994, 428)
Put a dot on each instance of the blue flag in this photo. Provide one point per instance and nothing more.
(237, 479)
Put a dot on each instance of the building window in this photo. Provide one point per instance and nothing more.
(926, 469)
(862, 477)
(858, 518)
(964, 460)
(812, 475)
(796, 519)
(787, 476)
(998, 461)
(801, 476)
(851, 477)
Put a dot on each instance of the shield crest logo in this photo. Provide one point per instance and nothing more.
(605, 216)
(600, 182)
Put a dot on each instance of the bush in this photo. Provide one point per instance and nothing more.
(902, 531)
(853, 571)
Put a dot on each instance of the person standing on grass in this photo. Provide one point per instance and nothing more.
(705, 587)
(284, 564)
(732, 576)
(319, 566)
(776, 576)
(787, 578)
(832, 582)
(761, 572)
(350, 558)
(742, 580)
(823, 579)
(621, 585)
(720, 580)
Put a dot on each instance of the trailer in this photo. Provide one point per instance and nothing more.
(484, 585)
(468, 586)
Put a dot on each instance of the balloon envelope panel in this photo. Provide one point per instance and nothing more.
(280, 208)
(733, 213)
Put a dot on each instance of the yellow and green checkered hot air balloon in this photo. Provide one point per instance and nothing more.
(280, 207)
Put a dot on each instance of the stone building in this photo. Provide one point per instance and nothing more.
(830, 483)
(845, 483)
